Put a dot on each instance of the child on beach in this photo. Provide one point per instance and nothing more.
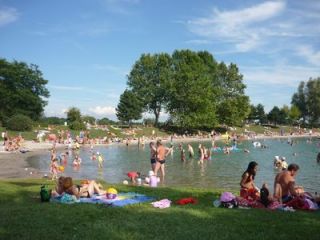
(133, 176)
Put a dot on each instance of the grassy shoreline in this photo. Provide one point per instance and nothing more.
(24, 217)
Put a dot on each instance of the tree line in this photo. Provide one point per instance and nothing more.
(195, 90)
(304, 109)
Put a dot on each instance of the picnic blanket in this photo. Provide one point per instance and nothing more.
(121, 200)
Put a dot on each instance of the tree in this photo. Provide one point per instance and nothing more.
(148, 79)
(191, 92)
(22, 89)
(129, 107)
(274, 115)
(299, 100)
(73, 114)
(52, 121)
(261, 115)
(20, 122)
(253, 113)
(89, 119)
(313, 100)
(284, 115)
(307, 100)
(105, 121)
(75, 120)
(294, 113)
(233, 103)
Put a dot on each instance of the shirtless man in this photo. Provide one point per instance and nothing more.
(162, 152)
(284, 184)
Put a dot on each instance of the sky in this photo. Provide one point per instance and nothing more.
(86, 48)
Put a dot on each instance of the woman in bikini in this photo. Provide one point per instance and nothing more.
(248, 189)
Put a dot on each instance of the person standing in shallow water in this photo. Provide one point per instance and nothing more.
(248, 190)
(162, 153)
(190, 151)
(153, 155)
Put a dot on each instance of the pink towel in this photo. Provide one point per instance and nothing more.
(164, 203)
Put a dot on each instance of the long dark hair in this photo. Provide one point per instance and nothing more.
(250, 169)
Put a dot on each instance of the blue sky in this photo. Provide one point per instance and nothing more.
(86, 48)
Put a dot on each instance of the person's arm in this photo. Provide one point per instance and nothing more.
(292, 189)
(168, 150)
(243, 182)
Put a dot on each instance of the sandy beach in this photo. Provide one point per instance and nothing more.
(14, 164)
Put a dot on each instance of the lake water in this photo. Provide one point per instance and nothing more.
(222, 171)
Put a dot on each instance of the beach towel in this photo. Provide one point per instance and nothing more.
(121, 200)
(185, 201)
(164, 203)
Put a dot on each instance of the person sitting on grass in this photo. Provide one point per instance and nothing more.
(133, 176)
(87, 189)
(284, 184)
(248, 189)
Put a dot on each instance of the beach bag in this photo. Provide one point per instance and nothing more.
(45, 194)
(228, 200)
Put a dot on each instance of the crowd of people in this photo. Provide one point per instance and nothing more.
(11, 144)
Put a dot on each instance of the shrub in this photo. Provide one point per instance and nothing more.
(19, 122)
(76, 125)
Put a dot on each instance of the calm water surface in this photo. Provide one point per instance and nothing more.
(222, 171)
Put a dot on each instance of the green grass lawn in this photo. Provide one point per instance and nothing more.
(23, 216)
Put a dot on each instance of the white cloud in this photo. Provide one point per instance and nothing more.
(198, 42)
(8, 15)
(111, 68)
(289, 76)
(99, 110)
(310, 54)
(66, 88)
(237, 26)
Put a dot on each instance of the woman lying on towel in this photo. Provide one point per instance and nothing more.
(87, 189)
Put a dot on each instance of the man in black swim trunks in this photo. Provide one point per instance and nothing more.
(162, 152)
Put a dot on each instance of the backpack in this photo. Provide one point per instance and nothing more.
(45, 194)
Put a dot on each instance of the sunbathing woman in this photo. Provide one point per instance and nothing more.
(87, 189)
(248, 189)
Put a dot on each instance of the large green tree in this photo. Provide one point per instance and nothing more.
(233, 104)
(191, 94)
(22, 90)
(129, 107)
(149, 80)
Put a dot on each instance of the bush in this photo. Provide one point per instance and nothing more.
(19, 122)
(76, 125)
